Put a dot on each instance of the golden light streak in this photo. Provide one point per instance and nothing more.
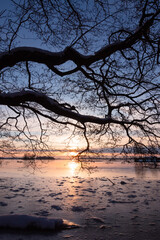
(73, 166)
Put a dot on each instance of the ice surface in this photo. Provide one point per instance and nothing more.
(101, 208)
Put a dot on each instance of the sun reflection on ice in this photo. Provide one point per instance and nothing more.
(73, 166)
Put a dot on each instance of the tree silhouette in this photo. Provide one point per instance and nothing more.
(88, 65)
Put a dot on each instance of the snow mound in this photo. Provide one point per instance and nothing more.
(34, 223)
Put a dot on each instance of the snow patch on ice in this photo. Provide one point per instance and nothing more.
(3, 204)
(56, 207)
(78, 209)
(35, 223)
(97, 219)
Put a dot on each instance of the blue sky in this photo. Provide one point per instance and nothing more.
(5, 4)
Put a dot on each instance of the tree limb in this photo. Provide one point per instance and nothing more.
(19, 54)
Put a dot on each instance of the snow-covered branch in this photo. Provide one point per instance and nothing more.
(19, 54)
(17, 98)
(22, 97)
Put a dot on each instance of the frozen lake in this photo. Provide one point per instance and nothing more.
(108, 200)
(71, 168)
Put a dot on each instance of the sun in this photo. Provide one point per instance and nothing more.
(73, 154)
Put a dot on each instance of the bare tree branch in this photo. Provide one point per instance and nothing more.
(9, 59)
